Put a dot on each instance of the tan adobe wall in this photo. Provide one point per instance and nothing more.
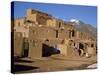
(38, 16)
(31, 17)
(51, 22)
(19, 22)
(41, 32)
(42, 28)
(35, 49)
(18, 43)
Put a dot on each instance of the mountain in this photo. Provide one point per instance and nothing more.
(83, 27)
(76, 22)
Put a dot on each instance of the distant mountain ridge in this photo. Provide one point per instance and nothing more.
(83, 27)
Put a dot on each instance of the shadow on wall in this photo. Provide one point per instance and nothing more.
(22, 61)
(18, 68)
(48, 50)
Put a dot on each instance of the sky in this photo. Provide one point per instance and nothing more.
(87, 14)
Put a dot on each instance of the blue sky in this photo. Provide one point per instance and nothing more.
(87, 14)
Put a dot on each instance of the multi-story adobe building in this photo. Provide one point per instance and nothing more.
(39, 34)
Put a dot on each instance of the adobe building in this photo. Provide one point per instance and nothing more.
(39, 35)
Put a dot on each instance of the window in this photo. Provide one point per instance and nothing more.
(18, 23)
(62, 41)
(59, 24)
(74, 43)
(70, 42)
(28, 21)
(73, 33)
(47, 40)
(56, 33)
(92, 45)
(41, 20)
(32, 12)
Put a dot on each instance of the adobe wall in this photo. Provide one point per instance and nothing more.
(42, 28)
(19, 22)
(41, 32)
(18, 44)
(35, 49)
(51, 22)
(31, 17)
(36, 16)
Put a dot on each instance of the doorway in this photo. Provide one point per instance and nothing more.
(49, 50)
(81, 46)
(25, 49)
(81, 49)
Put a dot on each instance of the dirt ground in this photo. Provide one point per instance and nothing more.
(53, 63)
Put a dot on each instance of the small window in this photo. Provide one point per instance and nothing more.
(92, 45)
(47, 40)
(56, 33)
(74, 44)
(28, 21)
(70, 42)
(73, 33)
(18, 23)
(59, 24)
(62, 41)
(32, 11)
